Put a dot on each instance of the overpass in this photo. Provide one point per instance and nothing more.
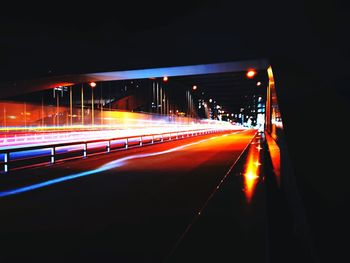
(96, 175)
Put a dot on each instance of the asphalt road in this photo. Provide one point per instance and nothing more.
(133, 207)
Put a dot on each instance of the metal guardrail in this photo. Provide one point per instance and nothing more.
(152, 139)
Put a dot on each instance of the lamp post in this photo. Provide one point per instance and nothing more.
(82, 103)
(92, 85)
(101, 106)
(71, 105)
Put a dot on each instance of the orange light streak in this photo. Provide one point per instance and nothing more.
(30, 123)
(275, 158)
(251, 173)
(251, 73)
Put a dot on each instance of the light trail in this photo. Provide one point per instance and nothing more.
(105, 167)
(132, 124)
(35, 124)
(62, 137)
(33, 139)
(251, 173)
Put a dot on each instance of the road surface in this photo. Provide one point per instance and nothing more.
(126, 206)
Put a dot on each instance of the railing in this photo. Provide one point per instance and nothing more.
(146, 139)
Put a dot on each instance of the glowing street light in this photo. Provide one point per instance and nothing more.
(210, 100)
(165, 78)
(194, 87)
(251, 73)
(258, 83)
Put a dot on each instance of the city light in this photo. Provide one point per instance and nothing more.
(210, 100)
(93, 84)
(251, 73)
(258, 83)
(194, 87)
(165, 78)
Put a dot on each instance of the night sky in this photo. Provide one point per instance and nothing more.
(61, 37)
(307, 43)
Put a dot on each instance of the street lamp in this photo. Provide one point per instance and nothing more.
(251, 73)
(194, 87)
(92, 85)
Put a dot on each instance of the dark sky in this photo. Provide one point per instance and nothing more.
(60, 37)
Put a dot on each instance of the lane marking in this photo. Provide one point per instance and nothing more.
(105, 167)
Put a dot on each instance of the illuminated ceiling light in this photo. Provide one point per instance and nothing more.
(251, 73)
(165, 78)
(93, 84)
(258, 83)
(194, 87)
